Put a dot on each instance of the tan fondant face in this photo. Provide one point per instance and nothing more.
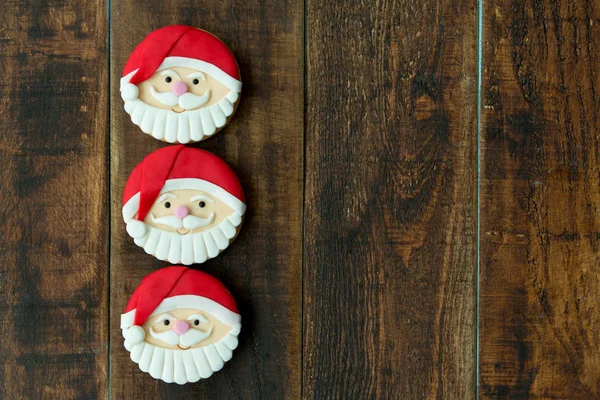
(207, 209)
(196, 82)
(205, 324)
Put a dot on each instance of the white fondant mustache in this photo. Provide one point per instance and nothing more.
(190, 338)
(187, 101)
(189, 222)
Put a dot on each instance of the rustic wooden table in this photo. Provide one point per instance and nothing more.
(423, 218)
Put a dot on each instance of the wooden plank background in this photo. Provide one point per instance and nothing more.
(540, 200)
(54, 186)
(389, 272)
(357, 143)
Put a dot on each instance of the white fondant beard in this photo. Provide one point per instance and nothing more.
(191, 248)
(191, 125)
(183, 366)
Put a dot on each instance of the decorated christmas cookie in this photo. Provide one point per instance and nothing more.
(181, 84)
(183, 205)
(181, 325)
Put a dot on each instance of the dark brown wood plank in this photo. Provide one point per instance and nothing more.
(540, 200)
(389, 271)
(263, 144)
(54, 180)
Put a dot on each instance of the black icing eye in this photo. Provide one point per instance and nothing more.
(168, 79)
(202, 204)
(167, 205)
(196, 81)
(166, 322)
(196, 322)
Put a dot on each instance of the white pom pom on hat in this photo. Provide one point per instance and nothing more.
(135, 228)
(133, 335)
(129, 91)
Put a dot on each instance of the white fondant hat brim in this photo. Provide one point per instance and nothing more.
(211, 69)
(131, 207)
(223, 314)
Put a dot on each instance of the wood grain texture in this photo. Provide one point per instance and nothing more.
(263, 144)
(389, 271)
(540, 201)
(54, 180)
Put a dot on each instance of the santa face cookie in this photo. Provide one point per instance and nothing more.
(181, 84)
(181, 325)
(183, 205)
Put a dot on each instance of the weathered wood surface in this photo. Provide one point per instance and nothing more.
(355, 269)
(264, 145)
(389, 270)
(54, 188)
(540, 196)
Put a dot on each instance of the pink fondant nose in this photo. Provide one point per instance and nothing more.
(181, 327)
(179, 88)
(182, 212)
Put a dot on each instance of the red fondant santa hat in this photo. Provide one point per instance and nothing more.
(177, 168)
(180, 287)
(182, 46)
